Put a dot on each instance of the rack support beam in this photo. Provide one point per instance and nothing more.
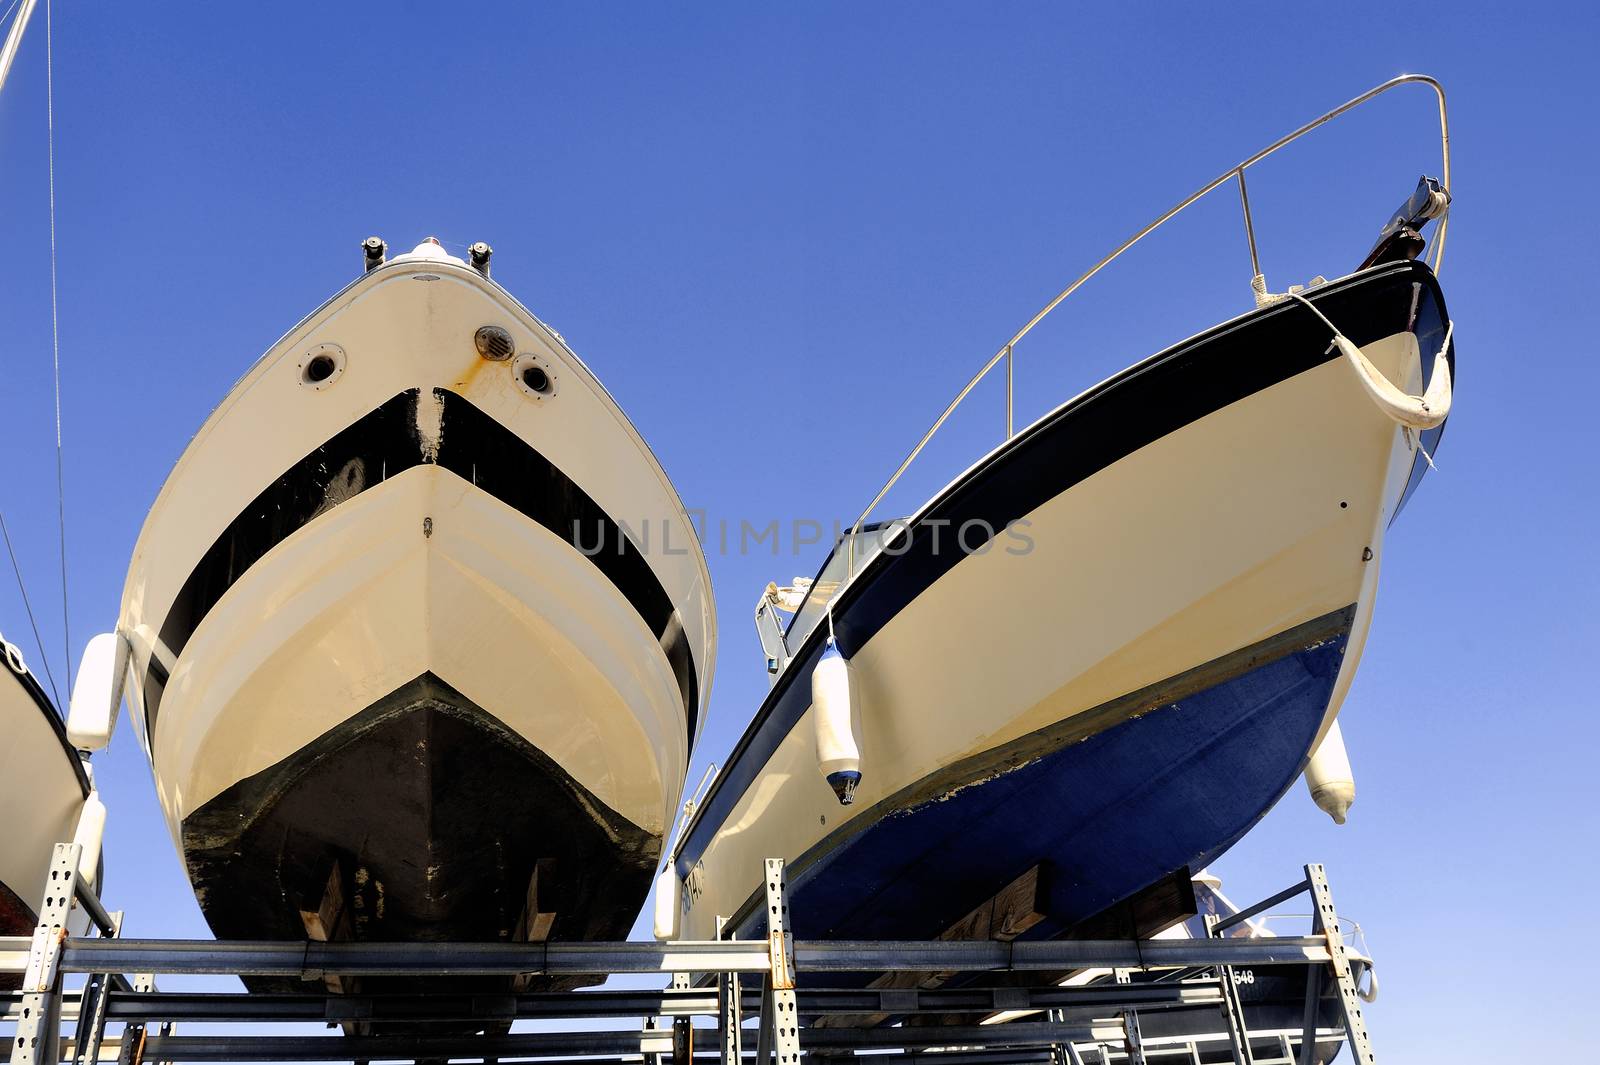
(1325, 920)
(38, 1037)
(1093, 1023)
(779, 1031)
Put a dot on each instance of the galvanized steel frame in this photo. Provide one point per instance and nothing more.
(1070, 1024)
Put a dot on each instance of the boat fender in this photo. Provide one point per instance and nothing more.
(97, 692)
(1427, 411)
(833, 714)
(669, 904)
(1329, 778)
(90, 835)
(1369, 991)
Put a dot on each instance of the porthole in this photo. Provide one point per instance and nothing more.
(536, 377)
(321, 366)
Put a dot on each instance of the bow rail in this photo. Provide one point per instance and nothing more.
(1235, 174)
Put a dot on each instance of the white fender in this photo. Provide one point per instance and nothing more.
(1369, 993)
(1426, 411)
(1329, 777)
(97, 692)
(90, 835)
(832, 714)
(669, 904)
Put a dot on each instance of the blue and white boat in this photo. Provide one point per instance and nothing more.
(1107, 648)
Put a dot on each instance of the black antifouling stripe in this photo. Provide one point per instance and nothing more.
(384, 442)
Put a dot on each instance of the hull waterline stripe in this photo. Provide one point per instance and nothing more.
(473, 446)
(1137, 407)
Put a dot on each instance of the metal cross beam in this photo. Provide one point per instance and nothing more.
(1079, 1023)
(210, 1006)
(313, 960)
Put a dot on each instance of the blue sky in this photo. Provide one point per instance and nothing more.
(783, 237)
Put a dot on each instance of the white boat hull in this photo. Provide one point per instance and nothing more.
(43, 788)
(420, 628)
(1202, 596)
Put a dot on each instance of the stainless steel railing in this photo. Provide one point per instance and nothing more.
(1235, 174)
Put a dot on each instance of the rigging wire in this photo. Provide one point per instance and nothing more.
(43, 658)
(5, 532)
(10, 9)
(55, 328)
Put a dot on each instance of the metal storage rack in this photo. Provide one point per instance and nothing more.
(724, 982)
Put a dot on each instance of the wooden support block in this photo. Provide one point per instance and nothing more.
(1018, 907)
(322, 923)
(1012, 911)
(330, 923)
(1146, 914)
(538, 909)
(1143, 916)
